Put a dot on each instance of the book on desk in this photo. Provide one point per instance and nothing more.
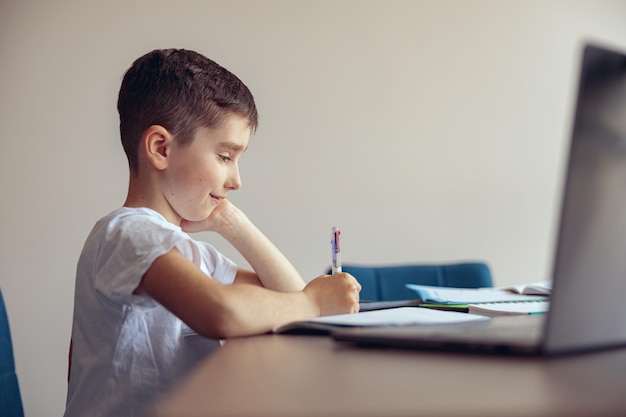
(434, 305)
(397, 316)
(512, 300)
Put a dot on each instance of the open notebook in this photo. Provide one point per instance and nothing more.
(400, 316)
(589, 269)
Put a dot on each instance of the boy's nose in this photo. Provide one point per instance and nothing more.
(234, 180)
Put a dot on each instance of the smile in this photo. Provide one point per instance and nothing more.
(217, 197)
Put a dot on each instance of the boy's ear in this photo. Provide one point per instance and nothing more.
(157, 142)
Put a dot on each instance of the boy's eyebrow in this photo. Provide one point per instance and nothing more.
(235, 147)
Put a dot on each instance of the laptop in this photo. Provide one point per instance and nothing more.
(589, 269)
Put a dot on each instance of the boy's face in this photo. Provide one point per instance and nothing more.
(202, 173)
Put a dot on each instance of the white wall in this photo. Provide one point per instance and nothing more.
(427, 130)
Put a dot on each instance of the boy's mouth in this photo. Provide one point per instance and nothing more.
(217, 197)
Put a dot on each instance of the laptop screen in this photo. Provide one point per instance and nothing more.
(590, 258)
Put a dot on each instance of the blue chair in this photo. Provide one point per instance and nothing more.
(10, 398)
(388, 283)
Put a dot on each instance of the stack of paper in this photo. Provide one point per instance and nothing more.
(487, 301)
(450, 295)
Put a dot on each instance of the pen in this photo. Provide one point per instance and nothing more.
(336, 249)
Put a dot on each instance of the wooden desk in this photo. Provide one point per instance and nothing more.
(310, 376)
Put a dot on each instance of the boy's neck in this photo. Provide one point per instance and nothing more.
(143, 193)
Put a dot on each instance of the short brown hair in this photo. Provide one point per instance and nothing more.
(180, 90)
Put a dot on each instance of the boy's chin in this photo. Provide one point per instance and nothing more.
(196, 217)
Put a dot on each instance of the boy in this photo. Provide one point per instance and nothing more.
(184, 123)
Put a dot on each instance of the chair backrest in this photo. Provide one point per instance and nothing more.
(10, 398)
(388, 283)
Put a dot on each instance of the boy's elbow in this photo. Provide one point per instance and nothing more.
(220, 324)
(221, 329)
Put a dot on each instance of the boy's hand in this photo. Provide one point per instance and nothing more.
(334, 294)
(222, 218)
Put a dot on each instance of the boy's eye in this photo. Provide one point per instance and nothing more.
(225, 158)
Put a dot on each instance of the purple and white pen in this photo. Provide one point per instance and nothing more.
(336, 249)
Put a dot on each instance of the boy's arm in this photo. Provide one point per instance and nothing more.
(273, 269)
(223, 311)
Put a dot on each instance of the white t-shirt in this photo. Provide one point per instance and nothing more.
(128, 349)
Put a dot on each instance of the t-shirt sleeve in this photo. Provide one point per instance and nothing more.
(127, 250)
(209, 260)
